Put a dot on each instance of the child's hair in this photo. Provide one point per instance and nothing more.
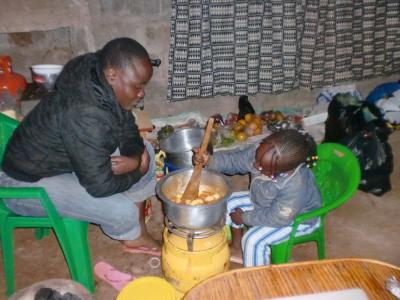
(290, 149)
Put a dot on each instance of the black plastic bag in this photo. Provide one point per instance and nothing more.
(356, 125)
(345, 117)
(245, 107)
(376, 161)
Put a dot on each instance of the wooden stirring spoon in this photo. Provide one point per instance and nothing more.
(192, 188)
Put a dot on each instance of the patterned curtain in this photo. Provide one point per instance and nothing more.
(237, 47)
(346, 40)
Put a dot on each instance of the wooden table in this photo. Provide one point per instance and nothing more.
(298, 279)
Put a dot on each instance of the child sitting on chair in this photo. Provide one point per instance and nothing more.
(282, 187)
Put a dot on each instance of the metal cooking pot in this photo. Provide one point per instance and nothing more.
(178, 146)
(193, 216)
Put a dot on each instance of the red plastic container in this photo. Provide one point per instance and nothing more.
(10, 82)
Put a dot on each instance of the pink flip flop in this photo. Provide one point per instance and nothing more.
(111, 275)
(141, 250)
(237, 260)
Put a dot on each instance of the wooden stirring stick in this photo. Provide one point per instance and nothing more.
(192, 188)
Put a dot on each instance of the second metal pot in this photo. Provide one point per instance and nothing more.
(178, 146)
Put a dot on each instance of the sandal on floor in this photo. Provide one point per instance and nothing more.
(111, 275)
(237, 260)
(142, 250)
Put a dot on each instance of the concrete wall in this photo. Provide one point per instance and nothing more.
(53, 31)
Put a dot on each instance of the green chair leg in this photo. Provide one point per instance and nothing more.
(7, 243)
(41, 233)
(78, 256)
(321, 247)
(279, 253)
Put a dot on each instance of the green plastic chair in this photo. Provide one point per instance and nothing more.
(72, 234)
(338, 175)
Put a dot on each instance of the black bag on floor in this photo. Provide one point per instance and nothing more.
(367, 137)
(375, 158)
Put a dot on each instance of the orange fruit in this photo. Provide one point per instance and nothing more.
(242, 122)
(248, 117)
(241, 136)
(258, 121)
(253, 125)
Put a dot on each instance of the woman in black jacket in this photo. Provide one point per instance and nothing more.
(81, 143)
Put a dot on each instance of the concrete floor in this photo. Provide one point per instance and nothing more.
(365, 226)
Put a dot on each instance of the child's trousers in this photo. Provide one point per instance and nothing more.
(257, 240)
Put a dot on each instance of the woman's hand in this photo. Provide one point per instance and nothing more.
(200, 159)
(237, 216)
(124, 164)
(145, 162)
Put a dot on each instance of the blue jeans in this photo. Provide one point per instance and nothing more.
(117, 215)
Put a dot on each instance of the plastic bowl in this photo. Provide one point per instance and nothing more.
(46, 75)
(148, 287)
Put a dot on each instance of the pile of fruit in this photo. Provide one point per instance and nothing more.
(271, 116)
(232, 129)
(250, 125)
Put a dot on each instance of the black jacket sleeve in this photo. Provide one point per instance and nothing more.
(85, 137)
(131, 143)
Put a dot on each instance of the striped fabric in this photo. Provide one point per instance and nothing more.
(237, 47)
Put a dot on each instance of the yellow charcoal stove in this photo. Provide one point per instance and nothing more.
(189, 257)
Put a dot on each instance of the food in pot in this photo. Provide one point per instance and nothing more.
(205, 197)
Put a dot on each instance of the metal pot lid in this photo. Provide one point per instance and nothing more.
(182, 140)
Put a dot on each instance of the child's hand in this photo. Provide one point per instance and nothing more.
(237, 216)
(200, 159)
(124, 164)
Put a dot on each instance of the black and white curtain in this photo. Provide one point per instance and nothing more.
(237, 47)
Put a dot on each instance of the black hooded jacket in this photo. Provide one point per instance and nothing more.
(76, 129)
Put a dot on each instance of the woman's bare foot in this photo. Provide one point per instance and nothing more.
(236, 255)
(143, 241)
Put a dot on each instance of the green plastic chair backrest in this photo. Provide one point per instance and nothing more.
(71, 234)
(7, 127)
(337, 174)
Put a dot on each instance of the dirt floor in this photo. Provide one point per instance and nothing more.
(366, 226)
